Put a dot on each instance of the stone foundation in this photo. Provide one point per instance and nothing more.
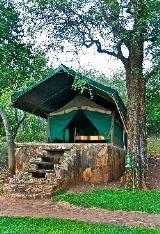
(44, 168)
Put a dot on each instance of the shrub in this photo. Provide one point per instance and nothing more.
(3, 152)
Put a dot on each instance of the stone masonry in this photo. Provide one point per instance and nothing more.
(44, 168)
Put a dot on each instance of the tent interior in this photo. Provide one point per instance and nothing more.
(80, 125)
(81, 120)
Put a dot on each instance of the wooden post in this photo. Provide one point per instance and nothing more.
(48, 130)
(112, 128)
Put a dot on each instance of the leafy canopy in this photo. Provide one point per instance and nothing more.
(109, 25)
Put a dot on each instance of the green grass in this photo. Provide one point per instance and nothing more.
(25, 225)
(118, 199)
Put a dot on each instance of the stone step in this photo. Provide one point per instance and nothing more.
(51, 153)
(49, 158)
(46, 156)
(32, 190)
(41, 171)
(66, 148)
(28, 195)
(41, 163)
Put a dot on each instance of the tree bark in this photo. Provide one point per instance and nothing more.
(10, 142)
(137, 143)
(135, 83)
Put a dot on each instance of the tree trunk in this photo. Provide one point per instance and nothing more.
(137, 143)
(135, 83)
(10, 142)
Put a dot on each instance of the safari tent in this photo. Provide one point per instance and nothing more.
(86, 136)
(95, 115)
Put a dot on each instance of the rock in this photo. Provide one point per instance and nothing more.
(67, 165)
(87, 174)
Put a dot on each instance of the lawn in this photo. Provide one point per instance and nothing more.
(118, 199)
(25, 225)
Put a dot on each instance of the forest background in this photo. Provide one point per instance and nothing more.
(22, 64)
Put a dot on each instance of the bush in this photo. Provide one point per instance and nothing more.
(154, 145)
(3, 152)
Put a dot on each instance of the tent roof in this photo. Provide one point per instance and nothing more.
(55, 91)
(81, 103)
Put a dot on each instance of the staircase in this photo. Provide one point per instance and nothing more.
(40, 178)
(45, 162)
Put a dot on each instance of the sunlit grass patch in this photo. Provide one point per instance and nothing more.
(118, 199)
(25, 225)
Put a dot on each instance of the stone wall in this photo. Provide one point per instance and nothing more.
(72, 164)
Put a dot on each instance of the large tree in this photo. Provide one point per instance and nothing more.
(110, 26)
(20, 61)
(20, 65)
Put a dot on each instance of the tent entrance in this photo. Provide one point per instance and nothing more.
(79, 126)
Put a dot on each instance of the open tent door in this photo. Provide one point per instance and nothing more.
(102, 122)
(65, 127)
(79, 126)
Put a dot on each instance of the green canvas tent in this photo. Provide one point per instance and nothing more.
(55, 99)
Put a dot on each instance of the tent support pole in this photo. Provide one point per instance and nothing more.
(112, 130)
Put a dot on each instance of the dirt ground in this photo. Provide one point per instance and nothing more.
(64, 210)
(153, 177)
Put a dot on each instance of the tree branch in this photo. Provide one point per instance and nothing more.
(88, 43)
(18, 124)
(119, 55)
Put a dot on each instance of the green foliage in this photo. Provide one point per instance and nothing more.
(116, 200)
(15, 55)
(19, 61)
(79, 84)
(153, 105)
(154, 145)
(32, 129)
(25, 225)
(116, 81)
(21, 65)
(83, 23)
(5, 102)
(3, 151)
